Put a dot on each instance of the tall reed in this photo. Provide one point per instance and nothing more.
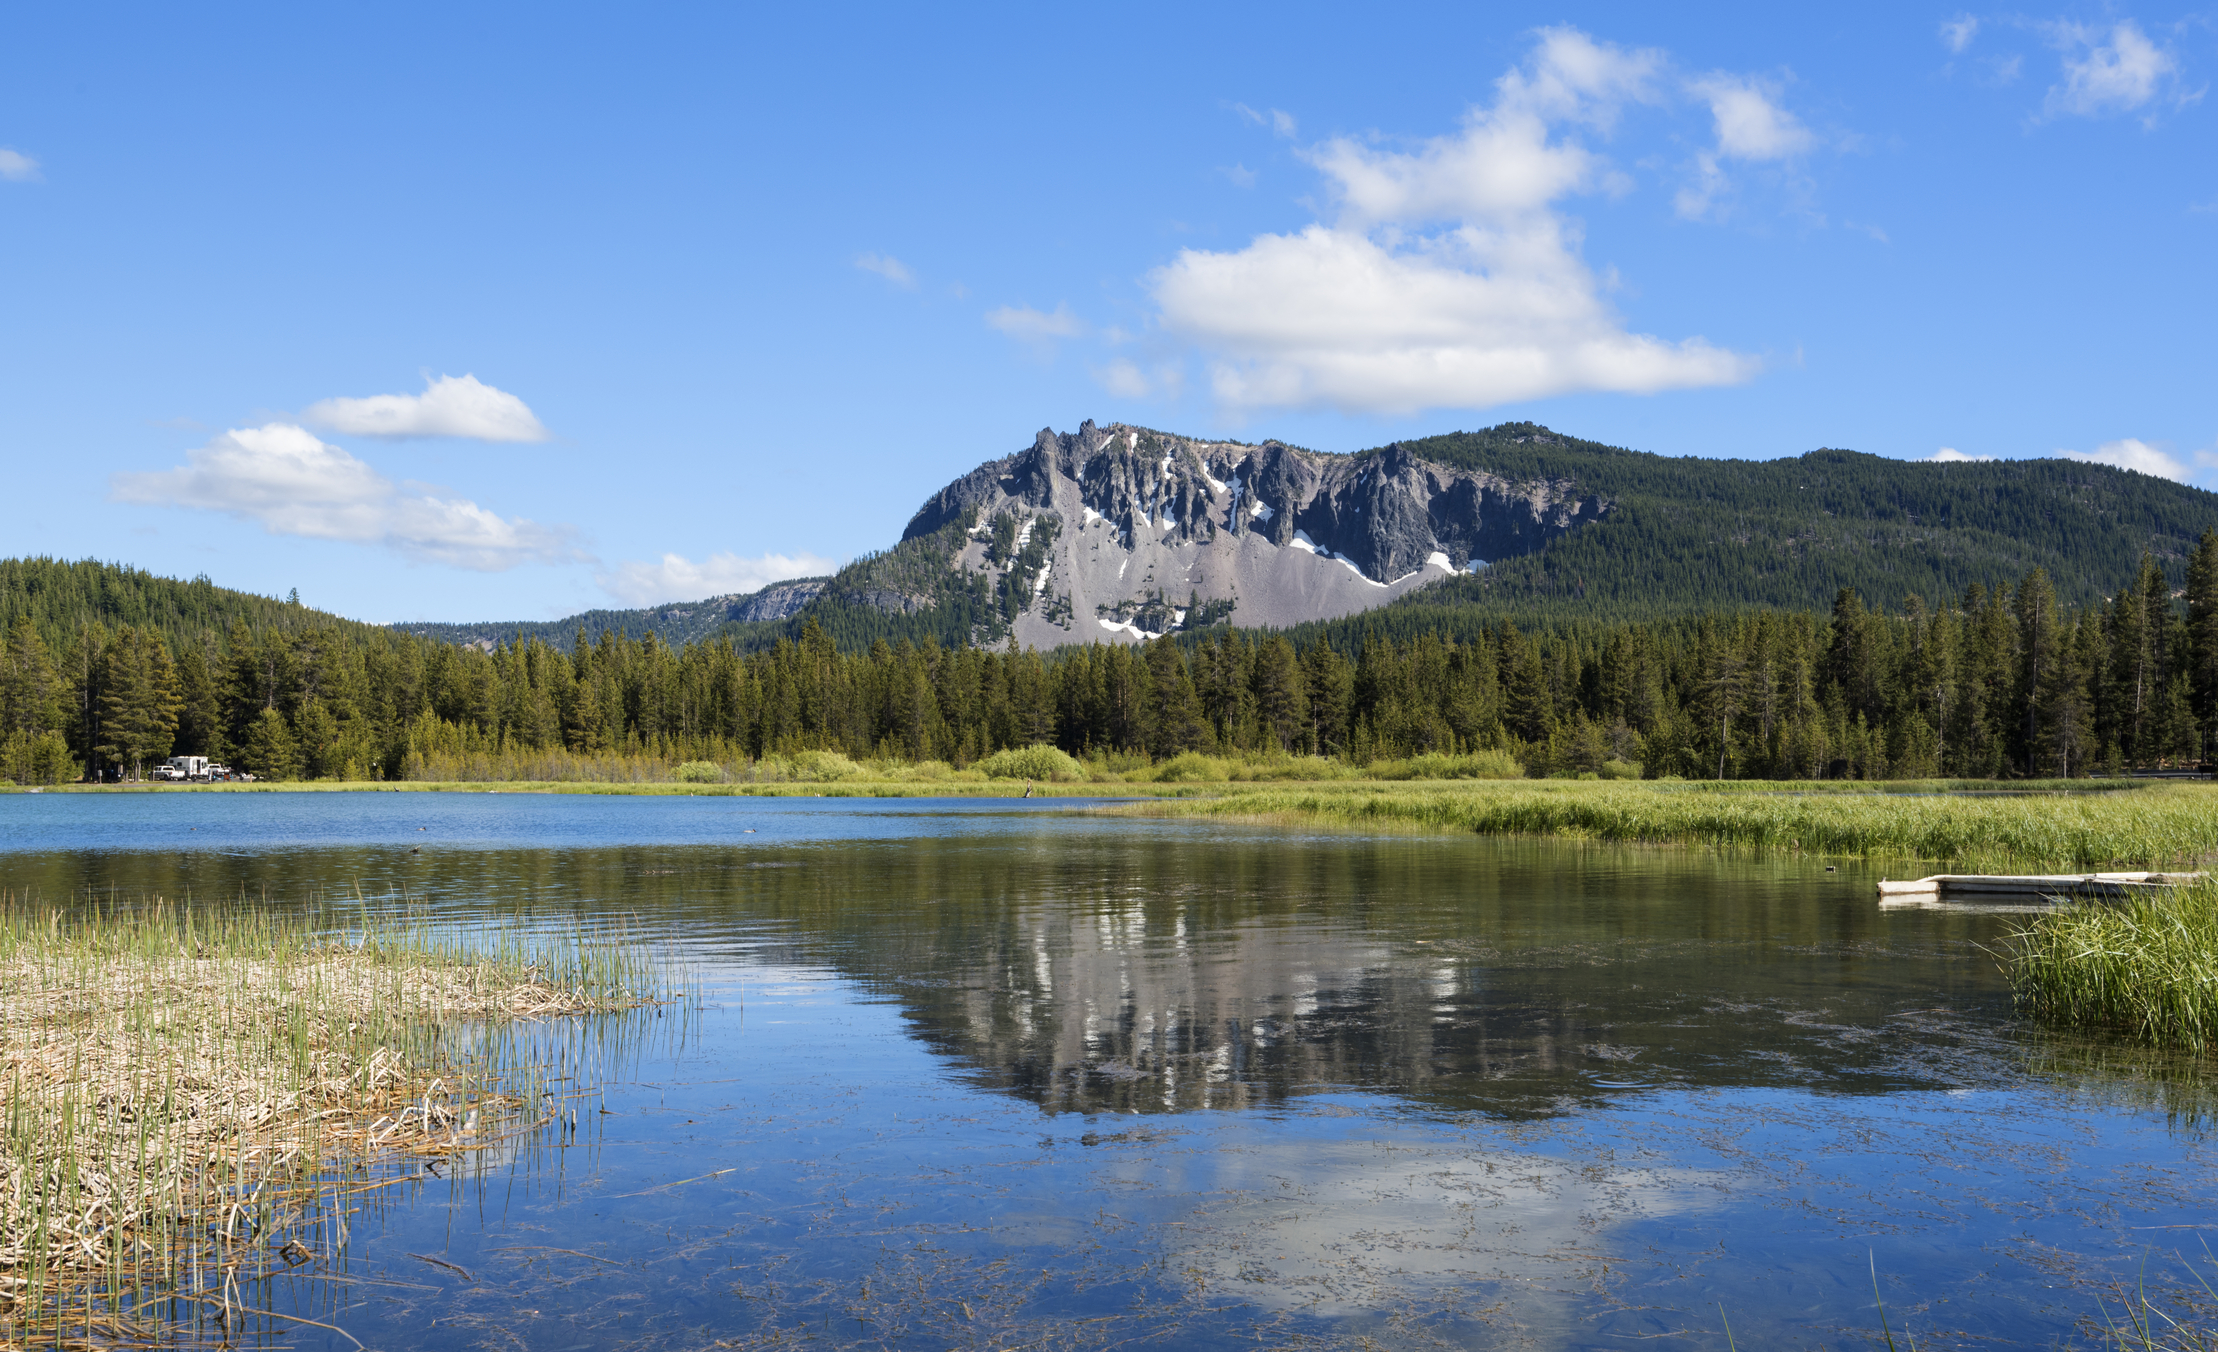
(190, 1086)
(2149, 826)
(2146, 967)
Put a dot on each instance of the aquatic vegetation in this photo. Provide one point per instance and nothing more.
(2146, 967)
(2147, 826)
(189, 1088)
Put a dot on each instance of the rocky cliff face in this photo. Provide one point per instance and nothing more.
(1146, 526)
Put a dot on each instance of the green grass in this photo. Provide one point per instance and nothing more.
(2146, 967)
(861, 787)
(2117, 825)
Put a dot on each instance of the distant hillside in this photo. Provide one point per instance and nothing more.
(751, 619)
(1689, 533)
(59, 596)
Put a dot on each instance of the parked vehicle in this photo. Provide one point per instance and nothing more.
(183, 768)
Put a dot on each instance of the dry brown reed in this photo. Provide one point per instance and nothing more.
(183, 1084)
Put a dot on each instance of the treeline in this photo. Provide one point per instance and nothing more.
(2002, 682)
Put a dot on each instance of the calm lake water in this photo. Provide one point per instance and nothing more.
(990, 1075)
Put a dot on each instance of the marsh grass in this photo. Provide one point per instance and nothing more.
(2149, 825)
(2146, 967)
(195, 1093)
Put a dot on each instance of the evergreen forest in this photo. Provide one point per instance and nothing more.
(106, 671)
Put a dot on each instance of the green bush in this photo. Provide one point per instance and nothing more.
(1038, 761)
(1191, 767)
(1618, 769)
(822, 767)
(1292, 768)
(1434, 765)
(699, 772)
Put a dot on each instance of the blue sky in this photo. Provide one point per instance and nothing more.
(472, 312)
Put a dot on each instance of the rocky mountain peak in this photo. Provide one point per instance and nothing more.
(1142, 520)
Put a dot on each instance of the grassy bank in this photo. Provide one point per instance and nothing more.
(2147, 968)
(2120, 824)
(188, 1087)
(850, 788)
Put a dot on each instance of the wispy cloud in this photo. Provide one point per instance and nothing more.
(17, 167)
(1752, 126)
(677, 578)
(1449, 278)
(888, 267)
(1949, 455)
(1957, 33)
(1278, 120)
(283, 478)
(451, 406)
(2125, 73)
(1038, 329)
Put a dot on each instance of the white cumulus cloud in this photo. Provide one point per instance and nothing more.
(2122, 75)
(451, 406)
(17, 167)
(888, 267)
(1949, 455)
(1372, 314)
(677, 578)
(2135, 454)
(290, 483)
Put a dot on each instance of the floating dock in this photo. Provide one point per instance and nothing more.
(2027, 886)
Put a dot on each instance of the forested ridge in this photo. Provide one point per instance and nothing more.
(1992, 681)
(1692, 533)
(1682, 535)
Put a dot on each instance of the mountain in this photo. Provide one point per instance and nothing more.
(1123, 532)
(678, 623)
(1120, 533)
(1138, 530)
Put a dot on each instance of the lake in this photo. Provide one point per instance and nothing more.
(1000, 1075)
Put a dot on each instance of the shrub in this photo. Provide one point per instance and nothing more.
(1191, 767)
(1293, 767)
(1618, 769)
(822, 767)
(1433, 765)
(699, 772)
(1038, 761)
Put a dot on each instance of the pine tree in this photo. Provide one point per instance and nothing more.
(138, 701)
(2039, 652)
(269, 751)
(31, 697)
(2202, 638)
